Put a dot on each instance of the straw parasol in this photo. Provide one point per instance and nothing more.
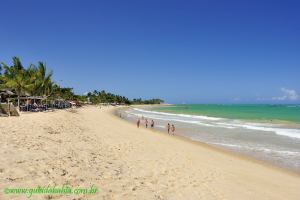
(6, 93)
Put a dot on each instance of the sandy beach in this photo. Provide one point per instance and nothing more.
(91, 146)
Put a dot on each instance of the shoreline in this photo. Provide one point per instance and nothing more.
(264, 143)
(214, 148)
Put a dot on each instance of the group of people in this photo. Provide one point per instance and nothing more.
(146, 123)
(170, 128)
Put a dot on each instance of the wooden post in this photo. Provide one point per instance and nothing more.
(8, 106)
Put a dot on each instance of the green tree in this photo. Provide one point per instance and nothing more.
(40, 81)
(14, 77)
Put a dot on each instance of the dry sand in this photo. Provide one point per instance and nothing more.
(90, 146)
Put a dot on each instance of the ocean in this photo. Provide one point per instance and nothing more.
(265, 132)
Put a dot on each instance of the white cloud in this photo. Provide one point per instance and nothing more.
(288, 94)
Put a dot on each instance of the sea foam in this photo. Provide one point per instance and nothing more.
(218, 122)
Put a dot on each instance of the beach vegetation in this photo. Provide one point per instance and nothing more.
(149, 101)
(36, 80)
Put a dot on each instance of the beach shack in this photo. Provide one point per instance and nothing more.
(32, 103)
(61, 103)
(6, 106)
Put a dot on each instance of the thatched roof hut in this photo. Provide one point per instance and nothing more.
(6, 93)
(7, 109)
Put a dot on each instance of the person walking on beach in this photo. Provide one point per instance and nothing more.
(152, 123)
(138, 123)
(173, 129)
(146, 123)
(168, 126)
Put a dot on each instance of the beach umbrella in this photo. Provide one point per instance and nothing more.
(7, 93)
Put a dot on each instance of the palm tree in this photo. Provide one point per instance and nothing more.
(40, 81)
(1, 81)
(15, 78)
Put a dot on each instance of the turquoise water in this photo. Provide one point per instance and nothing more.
(287, 113)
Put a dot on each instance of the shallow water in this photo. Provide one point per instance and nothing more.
(266, 112)
(275, 141)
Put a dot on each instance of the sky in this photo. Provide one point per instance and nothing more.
(203, 51)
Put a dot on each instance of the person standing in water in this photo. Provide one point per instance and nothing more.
(138, 123)
(173, 129)
(168, 126)
(146, 123)
(152, 123)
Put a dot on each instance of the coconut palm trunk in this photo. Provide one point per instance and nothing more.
(18, 102)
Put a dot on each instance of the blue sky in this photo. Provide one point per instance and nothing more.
(181, 51)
